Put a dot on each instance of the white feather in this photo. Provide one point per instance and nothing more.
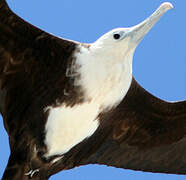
(105, 77)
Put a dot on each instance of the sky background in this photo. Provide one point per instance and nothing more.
(159, 62)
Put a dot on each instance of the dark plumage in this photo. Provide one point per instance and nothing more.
(141, 133)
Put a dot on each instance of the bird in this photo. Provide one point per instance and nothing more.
(66, 104)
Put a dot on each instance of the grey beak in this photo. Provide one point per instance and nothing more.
(139, 31)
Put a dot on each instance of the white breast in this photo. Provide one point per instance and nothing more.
(104, 79)
(104, 85)
(67, 126)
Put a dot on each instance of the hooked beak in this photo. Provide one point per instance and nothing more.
(136, 33)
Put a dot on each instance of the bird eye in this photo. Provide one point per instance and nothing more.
(116, 36)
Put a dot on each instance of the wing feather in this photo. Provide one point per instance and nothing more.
(143, 133)
(27, 55)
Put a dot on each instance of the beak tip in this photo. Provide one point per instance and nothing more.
(166, 5)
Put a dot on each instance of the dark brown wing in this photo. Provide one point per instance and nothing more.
(27, 56)
(143, 133)
(32, 69)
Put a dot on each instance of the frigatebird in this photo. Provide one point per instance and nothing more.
(66, 104)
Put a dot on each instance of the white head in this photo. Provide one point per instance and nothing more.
(106, 66)
(121, 41)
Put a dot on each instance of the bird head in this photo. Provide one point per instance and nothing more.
(106, 65)
(122, 42)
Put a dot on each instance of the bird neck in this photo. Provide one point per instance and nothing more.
(104, 79)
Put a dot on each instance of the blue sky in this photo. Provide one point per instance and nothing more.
(159, 62)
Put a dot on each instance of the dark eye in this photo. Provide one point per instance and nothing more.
(116, 36)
